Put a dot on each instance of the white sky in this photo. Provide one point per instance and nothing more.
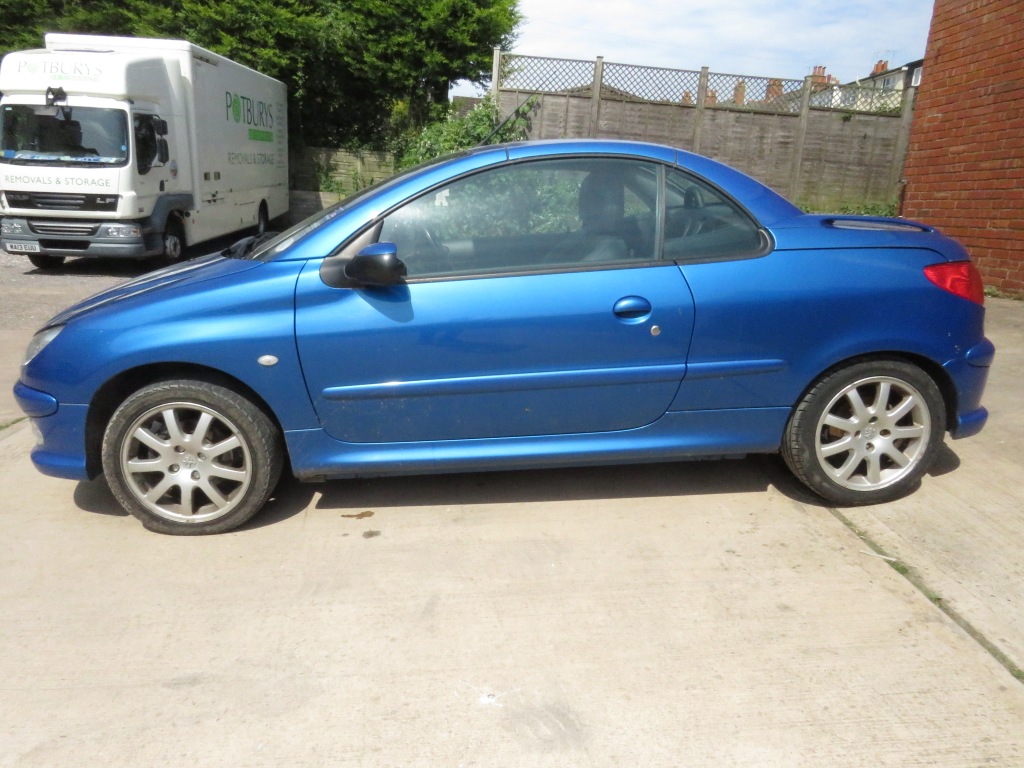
(767, 38)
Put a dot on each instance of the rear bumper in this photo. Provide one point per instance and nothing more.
(969, 374)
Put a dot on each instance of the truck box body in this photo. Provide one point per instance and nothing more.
(116, 146)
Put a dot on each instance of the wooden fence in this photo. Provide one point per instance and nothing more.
(823, 145)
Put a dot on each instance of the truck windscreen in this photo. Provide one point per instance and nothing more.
(60, 135)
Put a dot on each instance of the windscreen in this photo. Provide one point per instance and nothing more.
(61, 135)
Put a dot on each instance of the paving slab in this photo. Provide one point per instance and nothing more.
(679, 614)
(962, 533)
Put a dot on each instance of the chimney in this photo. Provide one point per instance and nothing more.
(880, 67)
(774, 89)
(819, 75)
(687, 97)
(711, 99)
(739, 93)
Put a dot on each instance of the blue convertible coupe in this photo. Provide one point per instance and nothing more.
(528, 305)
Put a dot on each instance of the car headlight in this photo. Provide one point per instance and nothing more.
(40, 341)
(122, 230)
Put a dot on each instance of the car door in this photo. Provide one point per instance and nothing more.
(535, 304)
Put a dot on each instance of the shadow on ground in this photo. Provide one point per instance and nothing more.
(751, 475)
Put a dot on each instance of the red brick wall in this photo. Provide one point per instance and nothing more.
(965, 164)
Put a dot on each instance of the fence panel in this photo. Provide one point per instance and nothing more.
(821, 143)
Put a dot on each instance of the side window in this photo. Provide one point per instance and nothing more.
(701, 224)
(533, 216)
(145, 143)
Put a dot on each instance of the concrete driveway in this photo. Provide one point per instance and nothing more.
(703, 614)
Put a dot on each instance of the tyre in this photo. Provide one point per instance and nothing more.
(866, 433)
(174, 240)
(45, 262)
(190, 457)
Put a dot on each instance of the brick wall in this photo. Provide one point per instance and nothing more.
(965, 165)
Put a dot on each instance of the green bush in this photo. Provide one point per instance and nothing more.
(482, 124)
(855, 209)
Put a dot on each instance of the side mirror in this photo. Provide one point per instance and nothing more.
(376, 264)
(160, 126)
(163, 153)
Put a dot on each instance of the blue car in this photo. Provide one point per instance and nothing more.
(567, 303)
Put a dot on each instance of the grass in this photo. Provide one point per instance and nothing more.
(918, 582)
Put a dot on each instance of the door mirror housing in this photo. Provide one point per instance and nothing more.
(376, 264)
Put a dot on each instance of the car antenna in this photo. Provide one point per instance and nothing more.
(528, 104)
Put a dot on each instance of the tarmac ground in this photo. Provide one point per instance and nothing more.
(690, 614)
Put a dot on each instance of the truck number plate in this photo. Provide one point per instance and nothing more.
(22, 247)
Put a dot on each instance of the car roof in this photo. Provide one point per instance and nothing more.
(765, 204)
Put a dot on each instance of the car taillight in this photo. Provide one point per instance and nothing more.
(961, 278)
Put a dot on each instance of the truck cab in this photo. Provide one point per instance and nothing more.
(100, 150)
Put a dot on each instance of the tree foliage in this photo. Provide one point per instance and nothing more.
(356, 70)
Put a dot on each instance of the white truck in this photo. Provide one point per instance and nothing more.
(135, 147)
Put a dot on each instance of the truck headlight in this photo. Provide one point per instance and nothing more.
(10, 227)
(40, 341)
(122, 230)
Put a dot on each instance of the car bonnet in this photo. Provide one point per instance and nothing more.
(196, 271)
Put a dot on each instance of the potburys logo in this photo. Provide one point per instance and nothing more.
(257, 115)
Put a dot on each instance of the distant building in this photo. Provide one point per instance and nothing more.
(965, 166)
(883, 78)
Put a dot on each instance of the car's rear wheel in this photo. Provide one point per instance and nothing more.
(866, 433)
(191, 457)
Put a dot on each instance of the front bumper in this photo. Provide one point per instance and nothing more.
(60, 432)
(76, 238)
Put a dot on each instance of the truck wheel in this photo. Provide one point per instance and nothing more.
(867, 433)
(45, 262)
(174, 240)
(190, 457)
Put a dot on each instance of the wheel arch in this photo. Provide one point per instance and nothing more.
(109, 396)
(936, 372)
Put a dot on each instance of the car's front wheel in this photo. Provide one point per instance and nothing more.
(866, 433)
(191, 457)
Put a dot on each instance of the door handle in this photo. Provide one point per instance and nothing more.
(632, 308)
